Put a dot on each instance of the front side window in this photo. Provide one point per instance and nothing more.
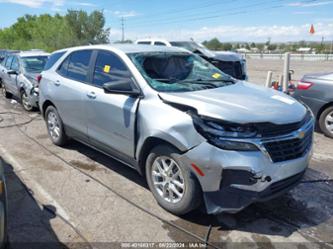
(34, 64)
(76, 66)
(179, 72)
(15, 64)
(109, 68)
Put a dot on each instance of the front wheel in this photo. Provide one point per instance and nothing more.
(173, 185)
(6, 94)
(326, 121)
(26, 102)
(55, 126)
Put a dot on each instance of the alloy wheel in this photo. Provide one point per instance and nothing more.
(53, 125)
(168, 179)
(329, 122)
(25, 102)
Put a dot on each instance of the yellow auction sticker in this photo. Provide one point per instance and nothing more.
(107, 69)
(216, 75)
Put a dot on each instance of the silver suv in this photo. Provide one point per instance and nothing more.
(196, 133)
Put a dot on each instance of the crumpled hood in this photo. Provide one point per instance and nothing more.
(32, 77)
(241, 103)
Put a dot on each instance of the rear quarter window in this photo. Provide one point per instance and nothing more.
(53, 59)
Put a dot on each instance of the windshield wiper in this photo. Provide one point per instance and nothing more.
(215, 80)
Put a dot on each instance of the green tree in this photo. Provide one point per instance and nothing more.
(88, 28)
(226, 46)
(213, 44)
(54, 32)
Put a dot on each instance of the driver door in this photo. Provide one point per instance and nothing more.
(111, 117)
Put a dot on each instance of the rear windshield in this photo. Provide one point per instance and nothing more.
(178, 72)
(53, 59)
(34, 64)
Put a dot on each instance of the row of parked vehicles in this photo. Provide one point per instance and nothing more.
(201, 137)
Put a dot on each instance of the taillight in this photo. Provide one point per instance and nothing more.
(39, 78)
(304, 85)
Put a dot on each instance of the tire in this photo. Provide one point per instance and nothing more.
(25, 102)
(326, 121)
(191, 193)
(55, 126)
(6, 94)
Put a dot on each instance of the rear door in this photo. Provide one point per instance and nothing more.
(6, 77)
(12, 78)
(111, 117)
(68, 91)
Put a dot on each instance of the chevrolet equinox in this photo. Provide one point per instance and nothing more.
(198, 135)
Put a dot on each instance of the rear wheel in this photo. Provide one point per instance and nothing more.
(326, 121)
(26, 102)
(172, 183)
(55, 126)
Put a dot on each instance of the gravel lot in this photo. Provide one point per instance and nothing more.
(258, 68)
(75, 197)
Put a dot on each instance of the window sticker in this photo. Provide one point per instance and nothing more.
(107, 69)
(216, 75)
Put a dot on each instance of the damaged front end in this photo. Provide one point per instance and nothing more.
(245, 163)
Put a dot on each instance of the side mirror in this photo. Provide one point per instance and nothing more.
(12, 72)
(125, 86)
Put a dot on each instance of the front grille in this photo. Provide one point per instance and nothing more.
(284, 150)
(272, 130)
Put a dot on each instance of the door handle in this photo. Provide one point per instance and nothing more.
(91, 95)
(57, 83)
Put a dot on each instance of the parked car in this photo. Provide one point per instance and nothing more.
(3, 54)
(316, 91)
(20, 76)
(228, 62)
(3, 208)
(191, 129)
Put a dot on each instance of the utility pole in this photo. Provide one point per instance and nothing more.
(122, 30)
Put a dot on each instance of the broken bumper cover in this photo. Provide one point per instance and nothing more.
(233, 180)
(34, 96)
(231, 199)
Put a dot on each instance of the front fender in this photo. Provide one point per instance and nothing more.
(159, 120)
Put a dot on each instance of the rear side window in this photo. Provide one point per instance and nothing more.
(53, 59)
(76, 66)
(144, 42)
(109, 68)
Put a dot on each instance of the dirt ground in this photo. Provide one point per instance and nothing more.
(258, 68)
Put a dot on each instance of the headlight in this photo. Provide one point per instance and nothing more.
(221, 135)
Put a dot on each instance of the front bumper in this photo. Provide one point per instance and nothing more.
(34, 96)
(234, 179)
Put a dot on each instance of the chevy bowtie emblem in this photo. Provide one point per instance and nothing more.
(301, 134)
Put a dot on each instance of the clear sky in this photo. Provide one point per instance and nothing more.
(228, 20)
